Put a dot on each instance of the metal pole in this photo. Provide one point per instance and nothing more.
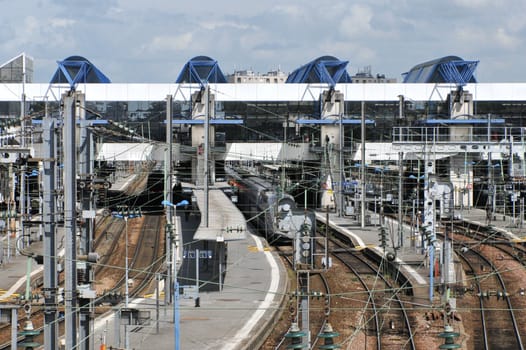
(489, 204)
(363, 165)
(176, 317)
(521, 213)
(22, 207)
(126, 261)
(126, 295)
(11, 208)
(168, 288)
(86, 236)
(400, 200)
(341, 172)
(50, 249)
(206, 150)
(70, 219)
(400, 175)
(117, 327)
(197, 273)
(14, 330)
(23, 143)
(157, 278)
(221, 249)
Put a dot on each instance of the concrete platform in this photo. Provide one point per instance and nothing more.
(233, 311)
(14, 267)
(237, 317)
(13, 273)
(510, 227)
(225, 221)
(410, 259)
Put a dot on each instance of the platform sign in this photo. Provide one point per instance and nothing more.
(203, 254)
(89, 214)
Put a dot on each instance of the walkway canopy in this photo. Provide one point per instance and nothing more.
(201, 70)
(76, 70)
(325, 69)
(449, 69)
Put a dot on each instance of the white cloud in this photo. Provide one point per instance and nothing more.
(476, 4)
(391, 35)
(169, 43)
(292, 11)
(61, 22)
(357, 22)
(216, 25)
(504, 39)
(32, 26)
(497, 39)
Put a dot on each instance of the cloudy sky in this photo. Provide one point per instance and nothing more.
(150, 41)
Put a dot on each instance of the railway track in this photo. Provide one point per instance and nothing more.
(384, 313)
(143, 261)
(492, 263)
(496, 332)
(365, 307)
(318, 302)
(144, 264)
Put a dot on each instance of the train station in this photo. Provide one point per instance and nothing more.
(233, 179)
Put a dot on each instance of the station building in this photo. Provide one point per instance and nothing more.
(319, 121)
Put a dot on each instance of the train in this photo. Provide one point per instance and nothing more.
(275, 214)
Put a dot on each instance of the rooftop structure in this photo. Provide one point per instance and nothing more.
(324, 69)
(17, 70)
(449, 69)
(201, 70)
(77, 69)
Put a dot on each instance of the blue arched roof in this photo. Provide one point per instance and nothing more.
(201, 70)
(449, 69)
(324, 69)
(77, 69)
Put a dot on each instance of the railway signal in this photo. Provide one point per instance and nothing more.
(383, 237)
(304, 247)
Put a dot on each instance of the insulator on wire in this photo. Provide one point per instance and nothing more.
(328, 334)
(449, 338)
(296, 337)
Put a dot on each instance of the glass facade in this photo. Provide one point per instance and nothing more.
(13, 71)
(270, 121)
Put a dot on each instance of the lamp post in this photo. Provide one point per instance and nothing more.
(177, 337)
(125, 216)
(126, 291)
